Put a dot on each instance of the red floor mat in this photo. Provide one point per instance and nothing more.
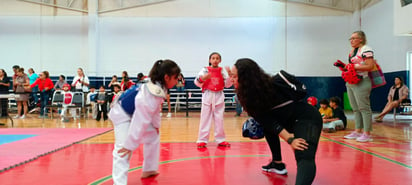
(46, 141)
(182, 163)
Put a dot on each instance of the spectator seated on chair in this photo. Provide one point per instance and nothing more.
(68, 96)
(101, 101)
(397, 93)
(180, 86)
(59, 83)
(116, 92)
(338, 119)
(91, 101)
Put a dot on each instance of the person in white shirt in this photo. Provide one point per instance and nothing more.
(136, 121)
(81, 81)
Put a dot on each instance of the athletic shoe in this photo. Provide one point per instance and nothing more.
(353, 135)
(16, 117)
(201, 145)
(22, 117)
(224, 144)
(169, 115)
(364, 138)
(160, 114)
(273, 167)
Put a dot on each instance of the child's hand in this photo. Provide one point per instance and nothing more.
(125, 152)
(206, 76)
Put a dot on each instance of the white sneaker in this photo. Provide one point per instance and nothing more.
(161, 114)
(353, 135)
(22, 117)
(16, 117)
(169, 115)
(364, 138)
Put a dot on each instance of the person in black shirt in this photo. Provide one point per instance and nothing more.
(298, 123)
(397, 93)
(338, 117)
(4, 89)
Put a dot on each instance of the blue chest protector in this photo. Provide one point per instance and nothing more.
(126, 100)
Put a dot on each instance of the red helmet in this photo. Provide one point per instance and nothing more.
(312, 100)
(66, 85)
(350, 75)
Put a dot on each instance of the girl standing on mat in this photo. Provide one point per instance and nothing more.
(136, 121)
(212, 79)
(298, 123)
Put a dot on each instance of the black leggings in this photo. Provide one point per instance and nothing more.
(310, 131)
(4, 103)
(307, 125)
(274, 142)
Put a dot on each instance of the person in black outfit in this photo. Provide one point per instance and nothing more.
(298, 123)
(102, 99)
(338, 113)
(4, 89)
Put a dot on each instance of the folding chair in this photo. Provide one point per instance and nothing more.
(77, 102)
(57, 102)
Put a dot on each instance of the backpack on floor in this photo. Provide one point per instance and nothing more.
(126, 100)
(289, 86)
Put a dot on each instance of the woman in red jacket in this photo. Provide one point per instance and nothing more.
(45, 85)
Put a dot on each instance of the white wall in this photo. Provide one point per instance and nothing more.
(57, 44)
(390, 49)
(402, 18)
(306, 43)
(135, 43)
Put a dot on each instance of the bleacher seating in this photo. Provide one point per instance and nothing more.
(180, 101)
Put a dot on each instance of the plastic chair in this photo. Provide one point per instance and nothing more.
(57, 102)
(77, 101)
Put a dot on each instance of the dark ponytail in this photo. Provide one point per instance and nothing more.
(162, 68)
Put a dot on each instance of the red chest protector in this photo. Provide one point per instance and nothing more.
(216, 82)
(68, 98)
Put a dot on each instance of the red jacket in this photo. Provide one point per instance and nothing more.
(43, 84)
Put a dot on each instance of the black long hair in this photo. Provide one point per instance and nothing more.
(401, 79)
(255, 90)
(4, 73)
(162, 68)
